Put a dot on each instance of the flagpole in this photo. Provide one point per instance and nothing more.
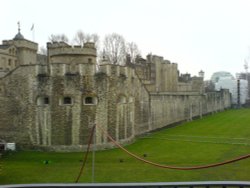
(33, 35)
(33, 32)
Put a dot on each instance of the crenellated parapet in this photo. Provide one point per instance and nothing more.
(66, 59)
(158, 74)
(117, 70)
(62, 48)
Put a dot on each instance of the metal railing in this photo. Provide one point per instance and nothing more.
(204, 184)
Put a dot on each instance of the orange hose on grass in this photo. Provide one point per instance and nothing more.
(174, 167)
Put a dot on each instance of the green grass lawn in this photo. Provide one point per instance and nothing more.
(213, 139)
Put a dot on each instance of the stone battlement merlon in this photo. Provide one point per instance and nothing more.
(65, 45)
(157, 59)
(117, 70)
(62, 48)
(167, 62)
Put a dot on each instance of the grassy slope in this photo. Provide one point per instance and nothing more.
(28, 167)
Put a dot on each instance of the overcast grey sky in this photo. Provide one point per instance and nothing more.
(212, 35)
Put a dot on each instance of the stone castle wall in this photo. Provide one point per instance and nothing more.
(169, 108)
(53, 105)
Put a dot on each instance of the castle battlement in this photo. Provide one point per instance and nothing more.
(117, 70)
(62, 48)
(59, 52)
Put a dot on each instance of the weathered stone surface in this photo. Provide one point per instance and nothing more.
(53, 105)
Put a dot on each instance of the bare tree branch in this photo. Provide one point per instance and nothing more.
(58, 38)
(80, 38)
(132, 50)
(115, 49)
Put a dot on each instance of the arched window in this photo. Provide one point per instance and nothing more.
(90, 100)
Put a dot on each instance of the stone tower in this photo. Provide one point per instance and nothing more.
(26, 50)
(75, 59)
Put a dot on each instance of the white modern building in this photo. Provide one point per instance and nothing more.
(237, 87)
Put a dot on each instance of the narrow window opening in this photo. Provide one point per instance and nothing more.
(67, 100)
(46, 100)
(89, 100)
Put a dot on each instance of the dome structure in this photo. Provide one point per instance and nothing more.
(221, 74)
(19, 36)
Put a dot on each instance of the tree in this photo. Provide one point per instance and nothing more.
(132, 50)
(81, 38)
(95, 39)
(114, 48)
(58, 38)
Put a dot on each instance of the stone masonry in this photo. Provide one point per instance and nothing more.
(51, 102)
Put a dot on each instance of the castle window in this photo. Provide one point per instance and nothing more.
(90, 101)
(67, 100)
(42, 101)
(46, 100)
(89, 60)
(9, 62)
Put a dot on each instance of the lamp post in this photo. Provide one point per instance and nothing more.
(238, 91)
